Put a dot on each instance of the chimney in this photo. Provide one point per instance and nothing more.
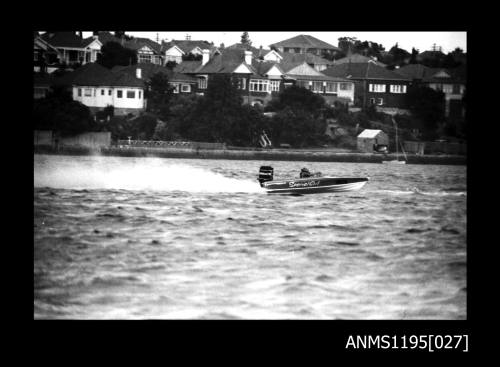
(138, 73)
(248, 57)
(205, 56)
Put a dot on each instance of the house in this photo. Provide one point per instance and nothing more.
(260, 79)
(183, 83)
(332, 89)
(369, 139)
(357, 58)
(72, 48)
(147, 50)
(45, 57)
(175, 50)
(302, 44)
(97, 87)
(374, 85)
(316, 62)
(452, 82)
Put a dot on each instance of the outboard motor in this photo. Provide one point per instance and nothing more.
(266, 173)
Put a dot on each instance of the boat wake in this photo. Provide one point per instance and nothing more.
(416, 191)
(153, 174)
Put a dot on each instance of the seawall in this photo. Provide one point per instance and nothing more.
(245, 154)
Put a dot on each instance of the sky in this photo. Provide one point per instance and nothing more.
(422, 41)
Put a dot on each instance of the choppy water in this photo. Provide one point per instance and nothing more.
(174, 238)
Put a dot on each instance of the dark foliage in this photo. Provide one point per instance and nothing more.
(58, 112)
(113, 53)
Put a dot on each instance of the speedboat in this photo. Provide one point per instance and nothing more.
(315, 183)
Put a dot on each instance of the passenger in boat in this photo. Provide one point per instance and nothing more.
(304, 172)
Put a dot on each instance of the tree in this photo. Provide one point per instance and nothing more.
(158, 93)
(399, 56)
(427, 105)
(245, 39)
(58, 112)
(171, 64)
(298, 98)
(112, 54)
(413, 57)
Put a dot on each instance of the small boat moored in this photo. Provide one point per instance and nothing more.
(314, 183)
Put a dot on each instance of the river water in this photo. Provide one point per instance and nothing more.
(148, 238)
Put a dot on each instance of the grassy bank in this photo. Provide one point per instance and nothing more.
(259, 155)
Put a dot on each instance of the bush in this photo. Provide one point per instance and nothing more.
(58, 112)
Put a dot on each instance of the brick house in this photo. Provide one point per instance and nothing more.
(374, 85)
(452, 82)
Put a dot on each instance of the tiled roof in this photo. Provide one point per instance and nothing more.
(137, 43)
(93, 74)
(305, 41)
(428, 75)
(66, 39)
(357, 58)
(226, 62)
(307, 57)
(187, 45)
(148, 70)
(189, 67)
(413, 71)
(366, 70)
(262, 67)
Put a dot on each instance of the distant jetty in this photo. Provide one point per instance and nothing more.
(233, 153)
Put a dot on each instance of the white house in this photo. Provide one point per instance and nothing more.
(98, 87)
(73, 48)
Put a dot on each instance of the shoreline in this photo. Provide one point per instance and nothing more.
(252, 154)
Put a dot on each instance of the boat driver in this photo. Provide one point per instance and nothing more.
(304, 172)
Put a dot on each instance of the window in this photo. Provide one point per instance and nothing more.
(109, 92)
(131, 94)
(79, 92)
(102, 92)
(35, 56)
(372, 101)
(447, 88)
(377, 88)
(347, 86)
(242, 83)
(380, 101)
(87, 92)
(317, 87)
(202, 82)
(259, 85)
(144, 58)
(119, 94)
(175, 86)
(185, 88)
(140, 94)
(398, 88)
(331, 87)
(274, 85)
